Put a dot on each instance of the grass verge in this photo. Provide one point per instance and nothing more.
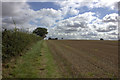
(36, 63)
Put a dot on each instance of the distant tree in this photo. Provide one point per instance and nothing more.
(101, 39)
(61, 38)
(41, 32)
(56, 38)
(49, 38)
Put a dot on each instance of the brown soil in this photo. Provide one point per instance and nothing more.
(86, 59)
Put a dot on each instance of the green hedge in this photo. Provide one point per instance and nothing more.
(14, 42)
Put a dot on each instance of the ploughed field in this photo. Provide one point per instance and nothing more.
(85, 58)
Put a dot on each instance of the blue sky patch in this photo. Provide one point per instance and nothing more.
(40, 5)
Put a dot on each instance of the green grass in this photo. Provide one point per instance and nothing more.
(26, 65)
(36, 63)
(90, 74)
(51, 69)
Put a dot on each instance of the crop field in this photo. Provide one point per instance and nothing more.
(85, 58)
(65, 59)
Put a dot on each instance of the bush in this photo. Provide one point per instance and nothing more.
(14, 42)
(101, 39)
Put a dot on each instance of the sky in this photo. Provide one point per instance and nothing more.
(68, 19)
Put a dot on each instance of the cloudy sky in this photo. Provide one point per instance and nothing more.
(68, 19)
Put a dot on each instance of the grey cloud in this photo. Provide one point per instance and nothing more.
(103, 30)
(114, 33)
(11, 9)
(80, 24)
(17, 11)
(112, 27)
(71, 30)
(107, 29)
(111, 18)
(18, 20)
(90, 34)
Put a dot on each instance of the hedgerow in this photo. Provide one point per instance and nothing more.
(14, 42)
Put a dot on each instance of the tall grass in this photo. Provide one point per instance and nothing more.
(14, 42)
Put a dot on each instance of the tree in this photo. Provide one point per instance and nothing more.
(49, 38)
(101, 39)
(41, 32)
(56, 38)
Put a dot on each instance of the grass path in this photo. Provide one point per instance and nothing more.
(36, 63)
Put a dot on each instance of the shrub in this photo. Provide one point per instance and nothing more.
(14, 42)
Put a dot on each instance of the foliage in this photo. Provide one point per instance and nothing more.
(41, 32)
(101, 39)
(14, 42)
(52, 38)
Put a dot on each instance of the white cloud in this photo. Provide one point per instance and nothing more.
(75, 27)
(112, 4)
(81, 26)
(47, 21)
(73, 11)
(85, 26)
(50, 13)
(21, 13)
(80, 20)
(108, 23)
(48, 17)
(106, 3)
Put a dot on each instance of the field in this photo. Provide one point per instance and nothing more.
(85, 58)
(65, 59)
